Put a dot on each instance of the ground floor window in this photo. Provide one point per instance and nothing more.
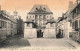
(51, 25)
(28, 25)
(76, 24)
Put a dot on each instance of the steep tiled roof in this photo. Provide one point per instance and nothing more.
(40, 9)
(78, 5)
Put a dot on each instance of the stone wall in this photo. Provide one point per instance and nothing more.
(49, 33)
(30, 33)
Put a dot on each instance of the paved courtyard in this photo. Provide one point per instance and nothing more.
(35, 42)
(43, 42)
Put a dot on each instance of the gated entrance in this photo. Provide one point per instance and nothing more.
(39, 34)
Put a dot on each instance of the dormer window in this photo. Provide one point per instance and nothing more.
(44, 8)
(36, 8)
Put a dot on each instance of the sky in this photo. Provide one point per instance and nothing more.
(24, 6)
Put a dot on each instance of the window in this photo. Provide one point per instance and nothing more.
(27, 17)
(76, 24)
(36, 17)
(11, 25)
(30, 16)
(70, 24)
(79, 24)
(51, 25)
(0, 24)
(44, 22)
(44, 17)
(73, 25)
(5, 24)
(40, 17)
(28, 25)
(33, 16)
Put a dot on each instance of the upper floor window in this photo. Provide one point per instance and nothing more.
(11, 25)
(36, 8)
(33, 16)
(0, 24)
(79, 24)
(47, 16)
(44, 17)
(44, 22)
(36, 16)
(30, 16)
(50, 17)
(40, 17)
(27, 17)
(76, 24)
(73, 25)
(3, 24)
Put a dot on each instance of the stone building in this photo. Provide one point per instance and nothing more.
(20, 24)
(8, 27)
(38, 19)
(60, 27)
(71, 22)
(75, 22)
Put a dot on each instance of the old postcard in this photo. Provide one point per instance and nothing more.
(39, 25)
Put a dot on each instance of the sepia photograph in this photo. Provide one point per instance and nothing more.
(32, 25)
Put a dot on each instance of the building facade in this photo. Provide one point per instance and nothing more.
(71, 22)
(8, 25)
(75, 20)
(60, 27)
(39, 15)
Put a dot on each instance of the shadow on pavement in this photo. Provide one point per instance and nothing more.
(15, 42)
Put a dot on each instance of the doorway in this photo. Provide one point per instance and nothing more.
(39, 34)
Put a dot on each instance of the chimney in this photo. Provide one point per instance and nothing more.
(70, 5)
